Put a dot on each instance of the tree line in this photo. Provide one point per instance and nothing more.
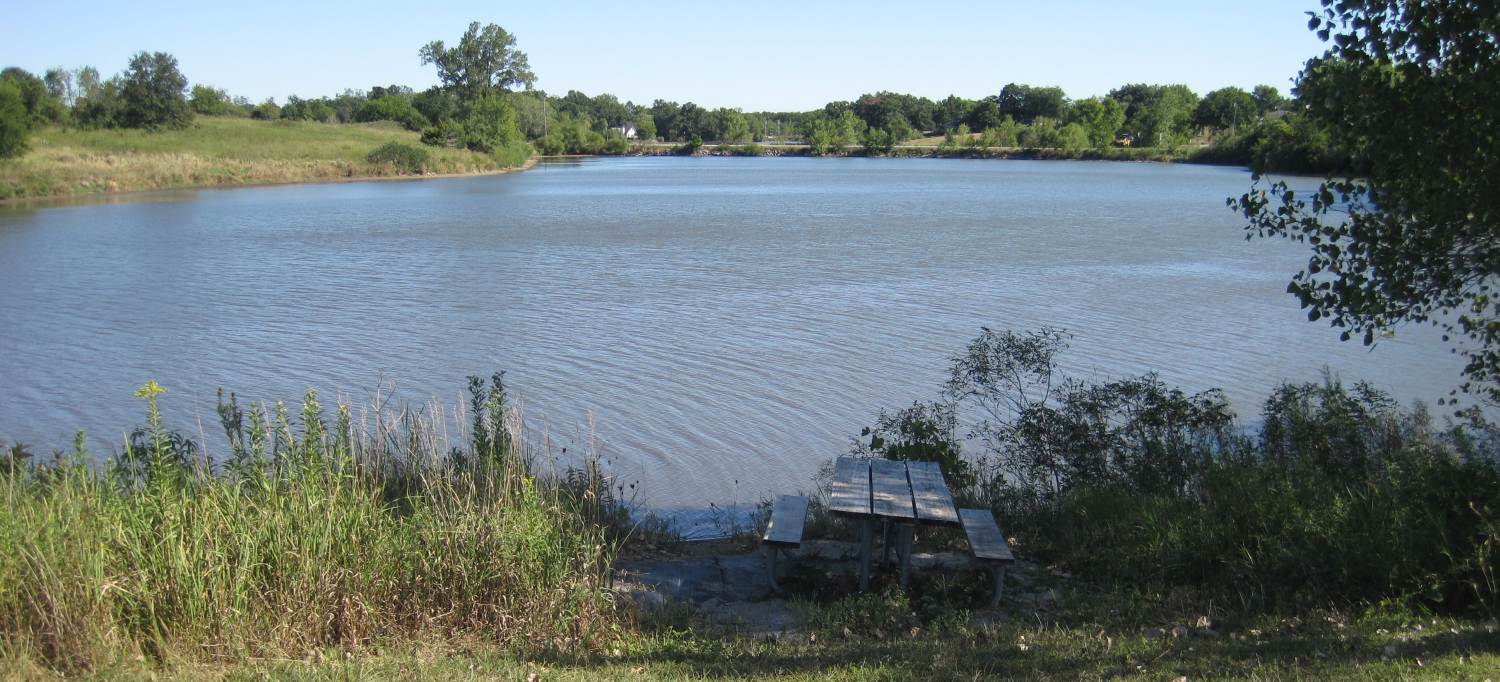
(485, 101)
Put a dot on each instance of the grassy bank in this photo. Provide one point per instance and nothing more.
(313, 535)
(217, 152)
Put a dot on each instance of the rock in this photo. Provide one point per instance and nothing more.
(1179, 631)
(1204, 623)
(1154, 633)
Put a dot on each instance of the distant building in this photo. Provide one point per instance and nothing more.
(1125, 140)
(626, 131)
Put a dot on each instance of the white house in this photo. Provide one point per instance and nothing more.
(627, 131)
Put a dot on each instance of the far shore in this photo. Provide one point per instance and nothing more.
(224, 153)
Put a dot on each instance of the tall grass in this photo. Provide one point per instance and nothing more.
(311, 535)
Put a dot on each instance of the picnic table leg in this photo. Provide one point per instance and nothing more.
(771, 562)
(866, 538)
(999, 571)
(904, 538)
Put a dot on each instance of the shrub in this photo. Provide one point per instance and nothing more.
(299, 109)
(751, 149)
(923, 432)
(447, 133)
(877, 142)
(210, 101)
(396, 108)
(490, 125)
(405, 158)
(1340, 496)
(266, 111)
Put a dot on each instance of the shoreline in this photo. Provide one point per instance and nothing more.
(104, 195)
(107, 196)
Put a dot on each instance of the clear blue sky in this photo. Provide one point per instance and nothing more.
(755, 56)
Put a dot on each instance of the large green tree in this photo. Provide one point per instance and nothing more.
(1226, 108)
(153, 93)
(1101, 118)
(1157, 115)
(14, 122)
(1026, 103)
(42, 108)
(1411, 89)
(1267, 98)
(484, 62)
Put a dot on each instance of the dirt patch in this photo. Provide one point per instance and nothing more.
(725, 586)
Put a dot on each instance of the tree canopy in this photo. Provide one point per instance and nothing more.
(1228, 107)
(14, 124)
(1026, 103)
(152, 94)
(1410, 90)
(485, 61)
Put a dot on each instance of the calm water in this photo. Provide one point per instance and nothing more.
(729, 323)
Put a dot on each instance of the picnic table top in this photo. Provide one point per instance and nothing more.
(900, 491)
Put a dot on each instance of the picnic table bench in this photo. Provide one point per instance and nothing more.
(988, 545)
(784, 530)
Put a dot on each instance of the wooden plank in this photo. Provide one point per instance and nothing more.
(890, 491)
(930, 494)
(985, 539)
(851, 486)
(787, 519)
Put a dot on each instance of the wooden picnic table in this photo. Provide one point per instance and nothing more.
(904, 493)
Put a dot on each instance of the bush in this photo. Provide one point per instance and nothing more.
(396, 108)
(210, 101)
(490, 125)
(298, 109)
(447, 133)
(266, 111)
(924, 432)
(1293, 144)
(1341, 495)
(751, 149)
(404, 157)
(877, 142)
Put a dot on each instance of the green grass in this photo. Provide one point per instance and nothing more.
(218, 151)
(1086, 644)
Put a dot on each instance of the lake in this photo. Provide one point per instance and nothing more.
(726, 323)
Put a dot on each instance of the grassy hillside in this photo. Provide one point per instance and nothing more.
(213, 152)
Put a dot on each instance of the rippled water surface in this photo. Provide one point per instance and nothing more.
(729, 323)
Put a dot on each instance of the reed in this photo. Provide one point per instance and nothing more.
(311, 535)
